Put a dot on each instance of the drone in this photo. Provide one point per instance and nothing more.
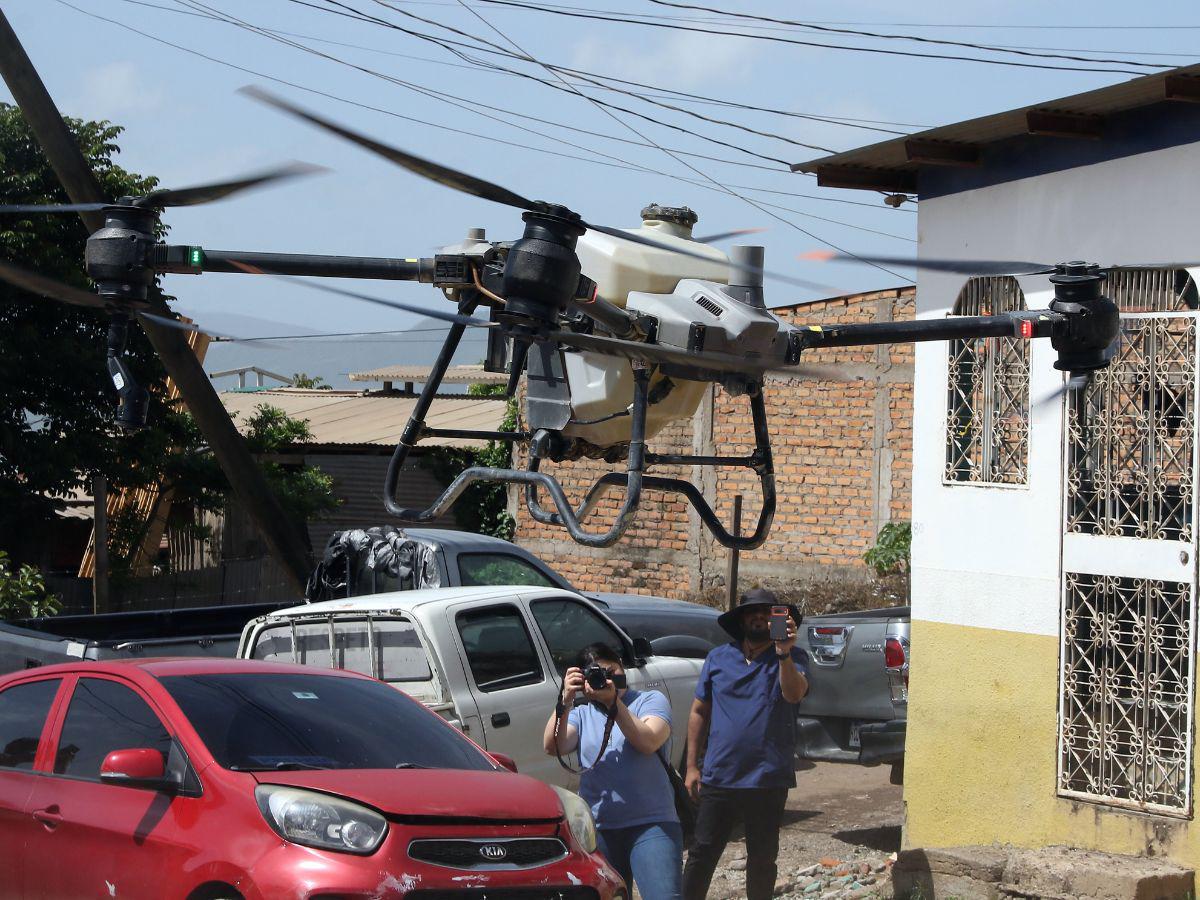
(603, 374)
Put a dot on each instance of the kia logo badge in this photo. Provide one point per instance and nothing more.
(493, 852)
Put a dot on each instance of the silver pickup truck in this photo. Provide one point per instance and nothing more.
(857, 708)
(488, 659)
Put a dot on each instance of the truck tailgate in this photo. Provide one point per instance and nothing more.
(846, 670)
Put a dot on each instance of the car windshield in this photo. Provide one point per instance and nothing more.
(277, 721)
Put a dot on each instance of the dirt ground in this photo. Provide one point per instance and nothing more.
(847, 814)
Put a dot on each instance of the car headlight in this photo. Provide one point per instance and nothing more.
(320, 820)
(579, 818)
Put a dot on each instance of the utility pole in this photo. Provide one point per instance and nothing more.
(735, 555)
(282, 535)
(100, 601)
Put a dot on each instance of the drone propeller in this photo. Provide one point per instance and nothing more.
(972, 266)
(48, 287)
(190, 196)
(1074, 386)
(956, 266)
(57, 290)
(714, 361)
(486, 190)
(726, 235)
(453, 318)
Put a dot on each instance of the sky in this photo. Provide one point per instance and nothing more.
(185, 123)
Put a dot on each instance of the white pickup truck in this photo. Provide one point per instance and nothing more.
(488, 659)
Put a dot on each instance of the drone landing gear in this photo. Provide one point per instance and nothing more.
(633, 479)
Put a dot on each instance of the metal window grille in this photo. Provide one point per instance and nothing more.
(1126, 692)
(1130, 432)
(987, 419)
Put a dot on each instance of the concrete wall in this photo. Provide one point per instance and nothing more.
(986, 582)
(842, 461)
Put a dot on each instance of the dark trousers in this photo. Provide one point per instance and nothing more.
(761, 810)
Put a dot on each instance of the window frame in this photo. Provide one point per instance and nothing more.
(550, 581)
(471, 610)
(1001, 294)
(624, 644)
(64, 705)
(44, 753)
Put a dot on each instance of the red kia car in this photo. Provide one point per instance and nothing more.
(210, 779)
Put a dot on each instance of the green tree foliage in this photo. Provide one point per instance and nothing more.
(312, 382)
(890, 555)
(305, 492)
(56, 400)
(483, 507)
(23, 593)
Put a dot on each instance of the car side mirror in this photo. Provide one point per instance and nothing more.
(138, 767)
(504, 760)
(642, 648)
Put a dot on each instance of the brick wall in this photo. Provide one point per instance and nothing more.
(843, 463)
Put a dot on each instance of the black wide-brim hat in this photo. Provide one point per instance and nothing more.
(732, 621)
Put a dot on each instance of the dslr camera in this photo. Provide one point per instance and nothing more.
(597, 676)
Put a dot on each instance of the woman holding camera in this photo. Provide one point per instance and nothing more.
(627, 785)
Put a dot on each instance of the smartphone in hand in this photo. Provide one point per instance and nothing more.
(779, 623)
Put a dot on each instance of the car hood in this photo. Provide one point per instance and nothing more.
(433, 793)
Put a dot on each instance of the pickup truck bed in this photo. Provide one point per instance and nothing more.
(857, 708)
(199, 631)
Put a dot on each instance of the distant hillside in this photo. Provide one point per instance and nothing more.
(334, 358)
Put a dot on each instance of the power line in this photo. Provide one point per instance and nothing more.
(472, 105)
(967, 25)
(391, 113)
(668, 93)
(702, 174)
(443, 42)
(674, 4)
(782, 40)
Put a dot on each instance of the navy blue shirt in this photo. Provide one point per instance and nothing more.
(752, 731)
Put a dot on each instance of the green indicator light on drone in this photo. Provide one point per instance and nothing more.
(195, 257)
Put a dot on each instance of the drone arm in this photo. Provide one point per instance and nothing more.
(190, 260)
(1032, 324)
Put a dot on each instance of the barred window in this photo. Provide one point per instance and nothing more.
(1130, 433)
(1126, 706)
(987, 418)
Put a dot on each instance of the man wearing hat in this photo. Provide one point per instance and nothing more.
(743, 725)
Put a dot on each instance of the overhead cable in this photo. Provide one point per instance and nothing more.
(699, 172)
(898, 37)
(796, 42)
(471, 134)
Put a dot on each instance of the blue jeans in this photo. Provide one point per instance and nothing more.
(649, 855)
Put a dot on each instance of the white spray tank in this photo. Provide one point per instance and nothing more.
(602, 386)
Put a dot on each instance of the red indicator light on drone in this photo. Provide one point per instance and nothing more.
(1026, 328)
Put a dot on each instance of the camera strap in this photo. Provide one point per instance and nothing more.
(560, 710)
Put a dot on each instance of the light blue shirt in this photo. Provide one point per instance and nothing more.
(626, 788)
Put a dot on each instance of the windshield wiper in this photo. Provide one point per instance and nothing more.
(407, 765)
(279, 767)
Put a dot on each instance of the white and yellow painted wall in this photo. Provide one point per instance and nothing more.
(981, 758)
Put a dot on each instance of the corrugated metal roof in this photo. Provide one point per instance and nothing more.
(349, 417)
(454, 375)
(951, 142)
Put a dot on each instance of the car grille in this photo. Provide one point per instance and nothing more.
(518, 893)
(499, 853)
